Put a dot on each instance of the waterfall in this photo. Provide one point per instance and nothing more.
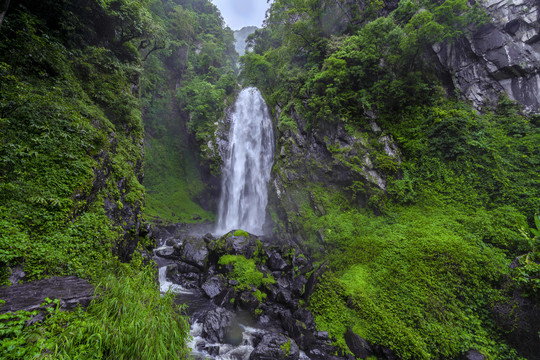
(246, 169)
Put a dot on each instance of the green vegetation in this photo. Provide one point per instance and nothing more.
(427, 274)
(241, 233)
(70, 129)
(286, 347)
(128, 319)
(246, 272)
(185, 89)
(71, 153)
(172, 181)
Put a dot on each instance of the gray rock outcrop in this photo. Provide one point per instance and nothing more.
(70, 290)
(499, 57)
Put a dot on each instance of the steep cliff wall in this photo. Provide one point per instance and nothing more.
(501, 57)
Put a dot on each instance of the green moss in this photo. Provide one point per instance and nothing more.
(241, 233)
(246, 272)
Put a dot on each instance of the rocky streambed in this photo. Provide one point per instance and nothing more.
(248, 297)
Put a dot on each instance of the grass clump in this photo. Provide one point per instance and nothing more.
(286, 347)
(128, 319)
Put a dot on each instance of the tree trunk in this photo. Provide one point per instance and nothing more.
(4, 4)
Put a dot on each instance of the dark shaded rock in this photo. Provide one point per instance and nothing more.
(474, 355)
(298, 285)
(384, 352)
(305, 316)
(17, 274)
(165, 252)
(257, 338)
(173, 242)
(194, 252)
(275, 347)
(300, 261)
(358, 345)
(312, 281)
(323, 353)
(184, 268)
(293, 327)
(284, 297)
(283, 282)
(275, 261)
(212, 350)
(213, 286)
(248, 300)
(70, 290)
(216, 324)
(225, 298)
(209, 238)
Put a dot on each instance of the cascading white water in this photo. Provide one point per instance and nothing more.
(247, 167)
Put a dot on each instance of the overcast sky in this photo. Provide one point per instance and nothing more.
(240, 13)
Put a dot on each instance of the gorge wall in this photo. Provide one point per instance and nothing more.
(500, 57)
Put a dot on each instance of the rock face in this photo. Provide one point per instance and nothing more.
(71, 291)
(499, 57)
(327, 156)
(240, 37)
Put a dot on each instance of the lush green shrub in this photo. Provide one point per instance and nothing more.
(245, 271)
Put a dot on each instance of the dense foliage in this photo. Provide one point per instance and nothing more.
(185, 89)
(71, 149)
(430, 275)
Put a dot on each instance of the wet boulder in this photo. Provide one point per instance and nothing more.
(226, 297)
(193, 251)
(166, 252)
(474, 355)
(213, 286)
(275, 347)
(184, 268)
(216, 323)
(239, 243)
(298, 285)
